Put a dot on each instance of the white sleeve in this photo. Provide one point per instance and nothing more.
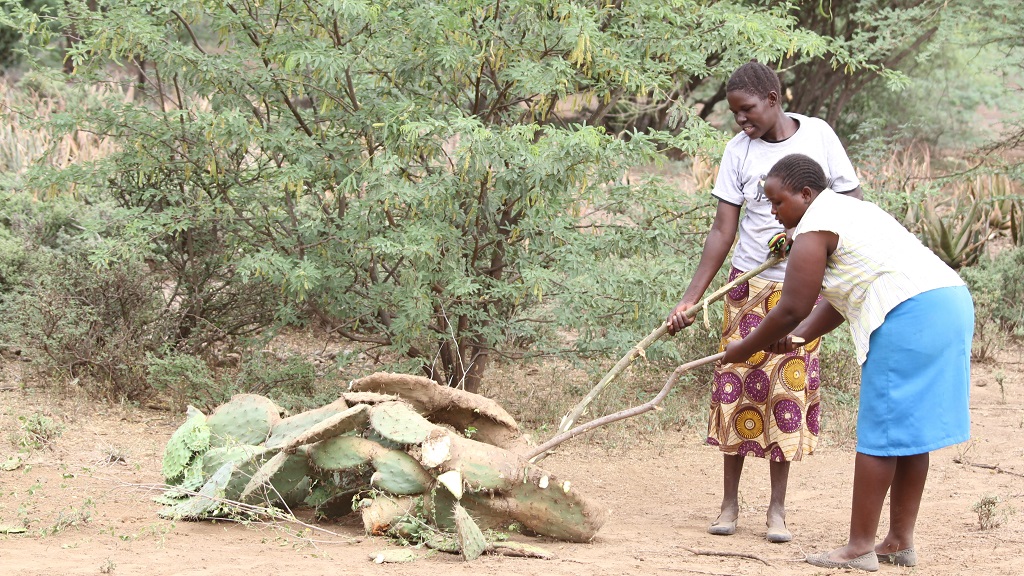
(727, 183)
(842, 176)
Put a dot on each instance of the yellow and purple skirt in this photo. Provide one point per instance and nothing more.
(769, 405)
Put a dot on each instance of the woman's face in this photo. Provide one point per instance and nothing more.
(754, 115)
(788, 206)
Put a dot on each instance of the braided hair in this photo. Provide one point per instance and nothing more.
(755, 79)
(796, 171)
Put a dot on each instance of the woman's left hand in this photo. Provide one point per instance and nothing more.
(732, 354)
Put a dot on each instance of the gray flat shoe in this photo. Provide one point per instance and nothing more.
(722, 528)
(867, 562)
(779, 535)
(905, 557)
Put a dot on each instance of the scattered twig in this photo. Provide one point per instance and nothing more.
(274, 514)
(691, 571)
(729, 554)
(995, 467)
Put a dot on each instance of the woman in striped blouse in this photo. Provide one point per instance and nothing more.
(912, 321)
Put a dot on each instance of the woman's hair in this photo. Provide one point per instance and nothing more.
(797, 171)
(755, 79)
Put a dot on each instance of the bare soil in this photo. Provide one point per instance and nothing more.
(86, 504)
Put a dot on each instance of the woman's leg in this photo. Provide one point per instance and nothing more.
(872, 477)
(904, 502)
(732, 467)
(779, 472)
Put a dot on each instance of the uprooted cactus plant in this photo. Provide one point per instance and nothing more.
(395, 448)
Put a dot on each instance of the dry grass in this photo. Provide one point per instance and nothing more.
(25, 142)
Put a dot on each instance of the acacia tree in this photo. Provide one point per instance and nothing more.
(416, 174)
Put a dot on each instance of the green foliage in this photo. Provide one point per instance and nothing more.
(91, 323)
(997, 287)
(37, 431)
(992, 512)
(9, 37)
(407, 172)
(186, 378)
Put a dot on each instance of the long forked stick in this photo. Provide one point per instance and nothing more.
(539, 451)
(569, 419)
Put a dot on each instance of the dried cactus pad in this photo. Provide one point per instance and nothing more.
(465, 411)
(246, 419)
(398, 422)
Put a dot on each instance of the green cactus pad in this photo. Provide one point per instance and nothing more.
(438, 504)
(331, 502)
(246, 419)
(343, 452)
(207, 501)
(398, 422)
(556, 510)
(354, 418)
(291, 427)
(277, 477)
(194, 477)
(471, 538)
(191, 437)
(245, 459)
(399, 473)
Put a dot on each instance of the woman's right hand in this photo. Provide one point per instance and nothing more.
(678, 319)
(786, 345)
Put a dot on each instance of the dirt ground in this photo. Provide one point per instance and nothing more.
(86, 504)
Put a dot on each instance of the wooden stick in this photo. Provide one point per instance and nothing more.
(539, 451)
(570, 419)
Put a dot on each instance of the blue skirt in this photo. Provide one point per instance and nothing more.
(915, 383)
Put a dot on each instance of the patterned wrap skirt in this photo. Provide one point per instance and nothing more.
(769, 405)
(915, 383)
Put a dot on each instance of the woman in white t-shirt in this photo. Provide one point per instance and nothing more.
(768, 405)
(912, 322)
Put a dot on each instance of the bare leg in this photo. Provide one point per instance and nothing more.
(779, 472)
(904, 502)
(872, 477)
(732, 467)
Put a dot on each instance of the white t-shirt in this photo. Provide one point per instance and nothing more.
(877, 265)
(741, 176)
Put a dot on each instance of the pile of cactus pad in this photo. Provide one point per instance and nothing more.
(401, 450)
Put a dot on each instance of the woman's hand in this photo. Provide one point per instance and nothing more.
(678, 319)
(732, 353)
(785, 345)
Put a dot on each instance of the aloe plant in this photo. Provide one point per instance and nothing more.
(959, 235)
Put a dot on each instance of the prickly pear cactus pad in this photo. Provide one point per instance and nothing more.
(467, 412)
(246, 419)
(288, 428)
(244, 459)
(343, 453)
(398, 422)
(191, 439)
(399, 473)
